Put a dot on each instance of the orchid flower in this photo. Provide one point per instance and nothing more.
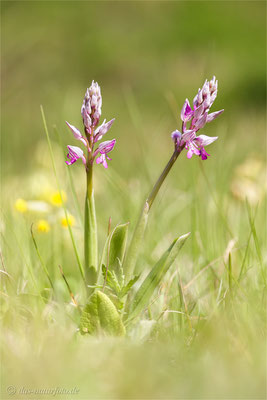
(74, 154)
(103, 129)
(103, 149)
(199, 116)
(187, 112)
(91, 113)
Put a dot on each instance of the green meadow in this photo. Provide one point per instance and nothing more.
(203, 333)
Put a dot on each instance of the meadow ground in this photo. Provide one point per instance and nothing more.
(204, 334)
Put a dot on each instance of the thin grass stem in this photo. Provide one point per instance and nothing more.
(59, 189)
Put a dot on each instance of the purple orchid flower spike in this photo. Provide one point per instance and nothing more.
(74, 154)
(103, 149)
(91, 113)
(91, 107)
(198, 116)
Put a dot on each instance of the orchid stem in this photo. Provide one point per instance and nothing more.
(90, 231)
(162, 177)
(136, 242)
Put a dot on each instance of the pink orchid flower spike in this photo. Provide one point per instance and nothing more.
(197, 117)
(91, 113)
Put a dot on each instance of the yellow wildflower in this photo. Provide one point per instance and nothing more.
(55, 198)
(64, 221)
(21, 206)
(43, 226)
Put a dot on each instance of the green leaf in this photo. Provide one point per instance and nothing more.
(101, 316)
(115, 246)
(144, 293)
(129, 285)
(110, 279)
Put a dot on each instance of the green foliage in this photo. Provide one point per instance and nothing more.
(100, 316)
(209, 342)
(155, 277)
(116, 281)
(114, 249)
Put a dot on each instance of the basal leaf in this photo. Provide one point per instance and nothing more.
(115, 246)
(101, 316)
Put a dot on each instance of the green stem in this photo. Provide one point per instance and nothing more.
(90, 231)
(163, 175)
(136, 242)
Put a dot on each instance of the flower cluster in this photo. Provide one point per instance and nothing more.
(91, 113)
(198, 116)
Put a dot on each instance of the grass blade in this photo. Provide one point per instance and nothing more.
(59, 189)
(156, 275)
(41, 259)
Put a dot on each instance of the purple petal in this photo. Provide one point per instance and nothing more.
(103, 129)
(189, 153)
(198, 98)
(102, 160)
(204, 155)
(77, 134)
(212, 116)
(188, 136)
(74, 154)
(176, 135)
(187, 112)
(106, 147)
(203, 140)
(201, 121)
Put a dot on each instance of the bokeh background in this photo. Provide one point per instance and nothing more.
(147, 57)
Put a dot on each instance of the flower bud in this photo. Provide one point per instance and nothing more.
(198, 112)
(91, 107)
(187, 112)
(201, 121)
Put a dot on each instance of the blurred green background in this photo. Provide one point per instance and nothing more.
(160, 51)
(147, 57)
